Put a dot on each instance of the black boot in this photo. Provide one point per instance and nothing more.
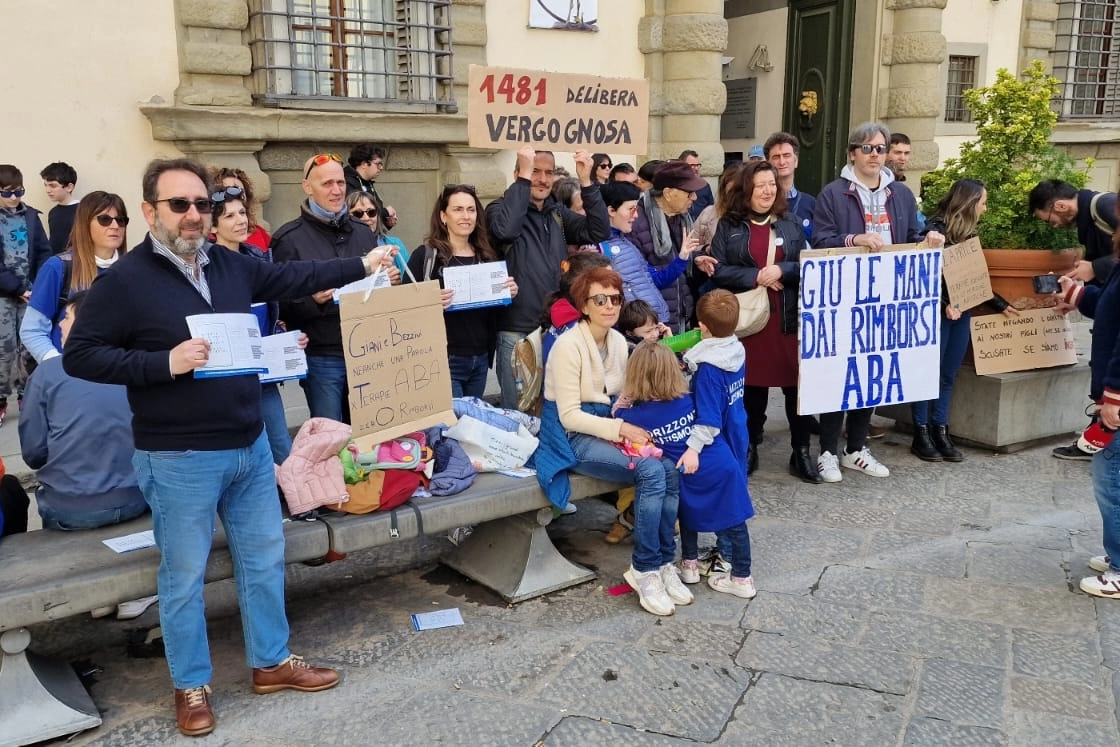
(944, 445)
(752, 458)
(923, 447)
(803, 466)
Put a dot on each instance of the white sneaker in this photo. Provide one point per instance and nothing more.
(651, 591)
(677, 591)
(690, 571)
(1105, 585)
(727, 584)
(828, 467)
(865, 463)
(135, 608)
(1099, 563)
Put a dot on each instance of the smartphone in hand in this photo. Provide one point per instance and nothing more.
(1044, 284)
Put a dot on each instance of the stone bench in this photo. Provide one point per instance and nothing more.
(49, 575)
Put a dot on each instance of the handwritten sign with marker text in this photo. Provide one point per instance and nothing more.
(966, 274)
(508, 108)
(396, 362)
(1039, 338)
(870, 327)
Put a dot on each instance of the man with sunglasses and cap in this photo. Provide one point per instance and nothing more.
(864, 207)
(24, 247)
(200, 444)
(532, 231)
(324, 230)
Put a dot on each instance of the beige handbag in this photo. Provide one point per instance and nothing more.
(754, 305)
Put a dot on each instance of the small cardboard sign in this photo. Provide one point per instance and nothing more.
(508, 108)
(1038, 338)
(395, 346)
(870, 327)
(966, 274)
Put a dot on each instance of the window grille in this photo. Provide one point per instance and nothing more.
(962, 76)
(1087, 59)
(386, 51)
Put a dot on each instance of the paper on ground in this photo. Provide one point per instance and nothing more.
(130, 542)
(438, 619)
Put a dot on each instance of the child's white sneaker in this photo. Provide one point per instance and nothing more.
(726, 584)
(651, 591)
(690, 571)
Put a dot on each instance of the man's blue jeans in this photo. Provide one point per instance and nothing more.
(468, 375)
(81, 520)
(185, 489)
(656, 496)
(503, 367)
(275, 422)
(1106, 488)
(954, 344)
(326, 389)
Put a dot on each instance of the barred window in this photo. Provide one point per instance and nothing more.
(385, 51)
(962, 76)
(1087, 59)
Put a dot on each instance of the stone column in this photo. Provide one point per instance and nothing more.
(214, 60)
(477, 166)
(683, 41)
(1037, 36)
(913, 53)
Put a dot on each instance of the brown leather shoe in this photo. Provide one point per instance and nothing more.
(293, 674)
(192, 711)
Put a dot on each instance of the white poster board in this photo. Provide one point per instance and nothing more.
(870, 327)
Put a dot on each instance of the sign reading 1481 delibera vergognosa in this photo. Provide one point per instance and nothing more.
(870, 327)
(508, 108)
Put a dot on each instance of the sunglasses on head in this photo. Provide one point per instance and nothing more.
(181, 205)
(8, 194)
(867, 150)
(229, 193)
(601, 299)
(371, 213)
(320, 159)
(105, 221)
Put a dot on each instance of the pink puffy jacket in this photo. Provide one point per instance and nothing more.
(311, 476)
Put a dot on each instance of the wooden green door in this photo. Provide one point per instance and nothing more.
(819, 75)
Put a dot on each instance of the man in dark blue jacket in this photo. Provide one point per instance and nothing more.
(201, 449)
(535, 231)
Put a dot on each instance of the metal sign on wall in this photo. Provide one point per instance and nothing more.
(739, 115)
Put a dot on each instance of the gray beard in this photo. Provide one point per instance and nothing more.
(180, 247)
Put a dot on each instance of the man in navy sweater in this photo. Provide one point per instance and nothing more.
(200, 445)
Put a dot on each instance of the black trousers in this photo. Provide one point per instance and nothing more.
(755, 399)
(832, 423)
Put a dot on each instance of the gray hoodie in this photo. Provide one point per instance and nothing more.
(874, 201)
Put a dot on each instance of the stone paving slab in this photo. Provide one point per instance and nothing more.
(937, 637)
(1058, 657)
(585, 732)
(932, 732)
(812, 659)
(974, 695)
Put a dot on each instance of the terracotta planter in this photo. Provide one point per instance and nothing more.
(1011, 271)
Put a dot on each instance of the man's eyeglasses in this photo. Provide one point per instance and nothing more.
(602, 299)
(371, 213)
(867, 150)
(8, 194)
(105, 221)
(320, 159)
(180, 205)
(378, 163)
(229, 193)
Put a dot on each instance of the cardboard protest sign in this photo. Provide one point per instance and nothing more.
(870, 327)
(396, 361)
(1039, 338)
(508, 108)
(966, 274)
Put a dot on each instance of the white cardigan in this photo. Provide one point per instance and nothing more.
(576, 373)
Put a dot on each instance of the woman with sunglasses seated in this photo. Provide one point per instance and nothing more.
(231, 231)
(583, 378)
(363, 208)
(457, 237)
(96, 242)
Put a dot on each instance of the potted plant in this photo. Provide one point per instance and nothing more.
(1011, 154)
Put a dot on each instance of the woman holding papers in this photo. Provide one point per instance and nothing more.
(955, 217)
(457, 238)
(231, 228)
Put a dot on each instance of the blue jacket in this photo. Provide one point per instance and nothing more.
(136, 313)
(1102, 305)
(77, 435)
(1098, 244)
(839, 216)
(637, 281)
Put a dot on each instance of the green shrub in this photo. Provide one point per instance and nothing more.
(1011, 154)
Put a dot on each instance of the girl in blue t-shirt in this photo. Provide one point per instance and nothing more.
(713, 493)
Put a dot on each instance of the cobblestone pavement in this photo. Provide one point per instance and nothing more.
(935, 607)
